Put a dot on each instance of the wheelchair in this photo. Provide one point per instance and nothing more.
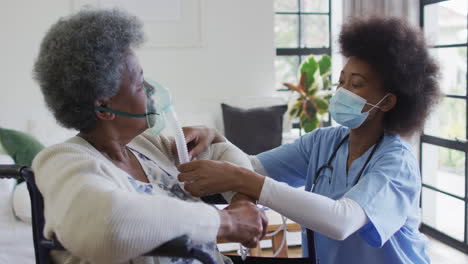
(178, 247)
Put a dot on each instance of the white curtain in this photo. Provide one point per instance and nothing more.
(406, 9)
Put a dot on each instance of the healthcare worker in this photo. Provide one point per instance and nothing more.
(362, 181)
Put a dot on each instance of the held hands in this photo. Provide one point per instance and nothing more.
(242, 221)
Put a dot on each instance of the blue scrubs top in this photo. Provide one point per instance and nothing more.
(388, 192)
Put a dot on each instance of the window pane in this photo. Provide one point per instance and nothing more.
(286, 69)
(448, 120)
(286, 31)
(444, 213)
(452, 62)
(444, 169)
(445, 23)
(315, 31)
(286, 6)
(314, 5)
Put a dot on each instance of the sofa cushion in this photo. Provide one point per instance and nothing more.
(254, 130)
(20, 146)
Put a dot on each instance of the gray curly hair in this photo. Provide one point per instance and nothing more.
(81, 60)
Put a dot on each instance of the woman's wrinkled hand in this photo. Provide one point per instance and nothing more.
(207, 177)
(243, 222)
(199, 138)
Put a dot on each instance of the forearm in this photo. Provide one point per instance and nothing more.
(335, 219)
(230, 153)
(130, 225)
(116, 225)
(249, 183)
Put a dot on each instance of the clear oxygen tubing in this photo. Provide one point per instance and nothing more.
(182, 151)
(179, 136)
(283, 242)
(244, 251)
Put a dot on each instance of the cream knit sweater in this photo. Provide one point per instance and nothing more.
(93, 210)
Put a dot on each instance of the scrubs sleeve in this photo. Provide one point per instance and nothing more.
(288, 163)
(387, 193)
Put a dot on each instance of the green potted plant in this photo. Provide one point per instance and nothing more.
(313, 92)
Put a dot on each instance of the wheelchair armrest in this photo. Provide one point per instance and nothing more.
(11, 171)
(177, 247)
(180, 248)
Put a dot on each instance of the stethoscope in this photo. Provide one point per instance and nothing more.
(328, 165)
(318, 175)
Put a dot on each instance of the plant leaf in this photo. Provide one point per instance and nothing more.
(324, 64)
(314, 124)
(299, 106)
(309, 125)
(296, 109)
(312, 92)
(309, 66)
(326, 74)
(294, 88)
(293, 111)
(309, 109)
(326, 84)
(303, 85)
(322, 105)
(315, 85)
(303, 118)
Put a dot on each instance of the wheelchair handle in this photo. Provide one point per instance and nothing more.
(12, 171)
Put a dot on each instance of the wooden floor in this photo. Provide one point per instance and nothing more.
(439, 253)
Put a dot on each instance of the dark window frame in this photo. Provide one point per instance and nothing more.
(461, 145)
(305, 51)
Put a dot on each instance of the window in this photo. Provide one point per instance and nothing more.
(444, 145)
(302, 27)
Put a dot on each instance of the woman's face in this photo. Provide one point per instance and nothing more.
(132, 96)
(358, 77)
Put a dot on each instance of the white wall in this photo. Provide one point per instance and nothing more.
(236, 60)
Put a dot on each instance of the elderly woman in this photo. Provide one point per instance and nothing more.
(362, 181)
(111, 192)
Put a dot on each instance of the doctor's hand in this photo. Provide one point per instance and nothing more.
(199, 138)
(242, 222)
(207, 177)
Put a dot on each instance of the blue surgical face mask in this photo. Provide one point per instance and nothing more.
(346, 108)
